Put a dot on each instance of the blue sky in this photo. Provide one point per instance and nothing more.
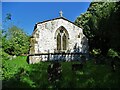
(26, 14)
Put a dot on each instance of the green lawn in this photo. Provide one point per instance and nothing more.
(17, 73)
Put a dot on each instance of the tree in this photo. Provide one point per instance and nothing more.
(14, 40)
(17, 42)
(101, 25)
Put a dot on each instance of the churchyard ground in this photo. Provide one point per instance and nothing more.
(17, 73)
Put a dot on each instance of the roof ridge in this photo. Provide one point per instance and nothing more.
(55, 19)
(51, 19)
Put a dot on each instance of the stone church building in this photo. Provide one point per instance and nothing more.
(57, 35)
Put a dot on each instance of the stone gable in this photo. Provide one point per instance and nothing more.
(58, 35)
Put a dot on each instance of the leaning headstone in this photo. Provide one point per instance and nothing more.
(50, 72)
(54, 72)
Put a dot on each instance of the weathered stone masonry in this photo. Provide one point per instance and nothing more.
(56, 35)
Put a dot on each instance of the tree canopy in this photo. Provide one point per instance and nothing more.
(101, 24)
(15, 42)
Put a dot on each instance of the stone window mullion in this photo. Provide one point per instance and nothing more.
(61, 41)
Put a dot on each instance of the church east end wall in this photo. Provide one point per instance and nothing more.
(57, 35)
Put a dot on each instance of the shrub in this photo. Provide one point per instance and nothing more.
(112, 53)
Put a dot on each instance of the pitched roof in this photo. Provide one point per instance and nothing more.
(52, 20)
(55, 19)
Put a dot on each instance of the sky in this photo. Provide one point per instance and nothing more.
(26, 14)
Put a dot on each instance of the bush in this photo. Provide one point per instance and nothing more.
(112, 53)
(96, 51)
(4, 55)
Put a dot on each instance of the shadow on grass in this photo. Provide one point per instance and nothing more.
(16, 81)
(91, 76)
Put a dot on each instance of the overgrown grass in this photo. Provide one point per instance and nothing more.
(17, 73)
(10, 67)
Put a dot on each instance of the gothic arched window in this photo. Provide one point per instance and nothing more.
(62, 38)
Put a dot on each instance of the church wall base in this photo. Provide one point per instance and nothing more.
(66, 58)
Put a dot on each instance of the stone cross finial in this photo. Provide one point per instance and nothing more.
(61, 14)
